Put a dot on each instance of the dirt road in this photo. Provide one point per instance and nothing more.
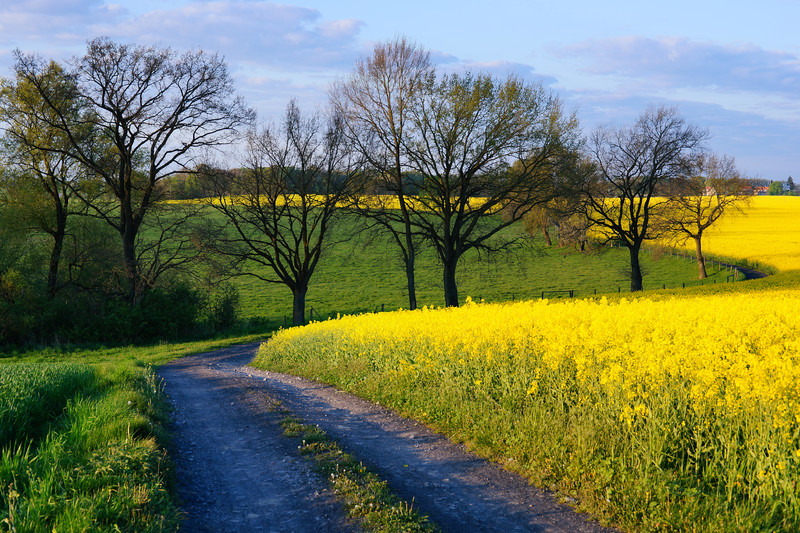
(236, 472)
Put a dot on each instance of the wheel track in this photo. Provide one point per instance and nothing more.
(254, 472)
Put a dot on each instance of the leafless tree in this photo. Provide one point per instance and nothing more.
(280, 208)
(481, 145)
(715, 189)
(151, 111)
(376, 101)
(634, 165)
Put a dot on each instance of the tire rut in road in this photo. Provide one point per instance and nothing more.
(458, 490)
(235, 470)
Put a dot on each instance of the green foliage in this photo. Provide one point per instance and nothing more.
(176, 312)
(775, 188)
(221, 307)
(18, 307)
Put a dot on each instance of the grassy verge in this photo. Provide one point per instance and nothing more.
(82, 435)
(97, 465)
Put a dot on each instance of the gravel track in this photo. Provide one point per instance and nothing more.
(236, 472)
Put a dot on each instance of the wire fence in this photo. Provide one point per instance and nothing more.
(734, 274)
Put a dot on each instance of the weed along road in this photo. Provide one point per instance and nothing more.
(236, 471)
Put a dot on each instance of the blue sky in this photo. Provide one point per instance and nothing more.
(733, 67)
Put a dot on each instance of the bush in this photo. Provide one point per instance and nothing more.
(222, 307)
(74, 316)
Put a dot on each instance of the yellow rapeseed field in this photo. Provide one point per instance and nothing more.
(641, 403)
(382, 201)
(661, 411)
(767, 232)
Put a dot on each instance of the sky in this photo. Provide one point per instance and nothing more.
(732, 67)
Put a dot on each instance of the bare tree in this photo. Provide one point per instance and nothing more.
(280, 208)
(151, 111)
(634, 165)
(376, 102)
(481, 145)
(713, 190)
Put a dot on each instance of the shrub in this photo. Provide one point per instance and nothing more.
(222, 307)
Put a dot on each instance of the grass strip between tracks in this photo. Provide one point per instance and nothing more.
(367, 498)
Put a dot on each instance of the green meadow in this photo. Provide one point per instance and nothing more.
(357, 277)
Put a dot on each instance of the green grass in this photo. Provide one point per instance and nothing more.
(355, 277)
(32, 394)
(83, 435)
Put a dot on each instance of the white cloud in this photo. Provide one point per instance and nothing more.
(257, 39)
(502, 69)
(672, 62)
(762, 146)
(51, 22)
(286, 37)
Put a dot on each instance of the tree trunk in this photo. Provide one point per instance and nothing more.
(410, 257)
(55, 259)
(131, 270)
(450, 288)
(299, 304)
(546, 234)
(701, 261)
(636, 269)
(412, 288)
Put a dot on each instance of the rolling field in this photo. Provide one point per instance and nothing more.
(354, 277)
(668, 410)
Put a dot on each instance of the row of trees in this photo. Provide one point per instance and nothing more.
(446, 161)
